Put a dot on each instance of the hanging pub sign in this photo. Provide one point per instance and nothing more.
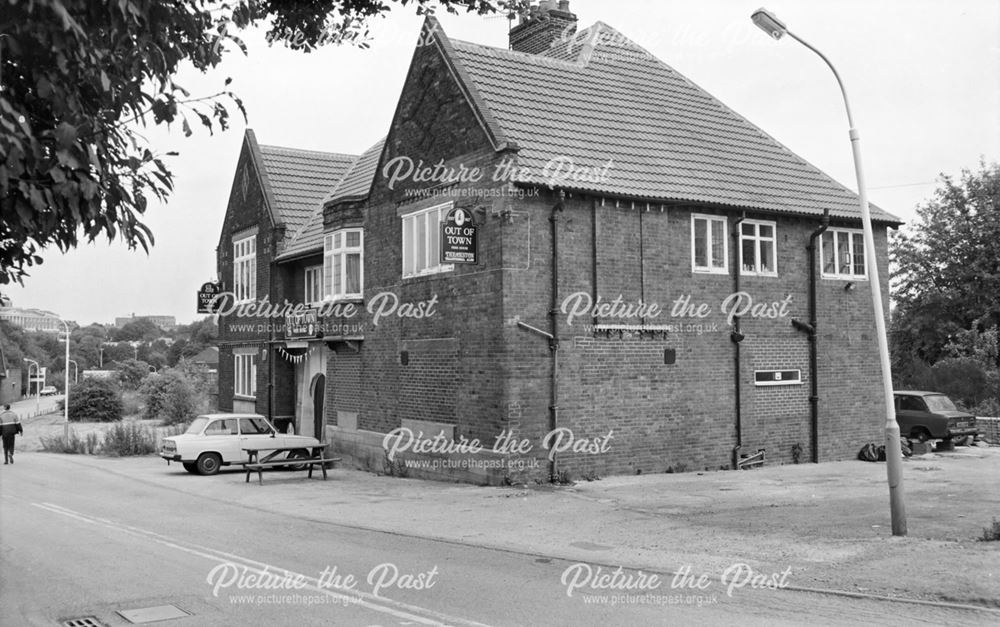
(458, 237)
(206, 295)
(302, 325)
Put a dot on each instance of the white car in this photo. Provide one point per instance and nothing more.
(49, 390)
(216, 440)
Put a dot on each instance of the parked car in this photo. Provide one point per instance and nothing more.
(48, 390)
(931, 415)
(216, 440)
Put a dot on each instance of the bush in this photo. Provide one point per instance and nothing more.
(74, 445)
(962, 378)
(129, 438)
(131, 403)
(95, 400)
(131, 372)
(170, 397)
(991, 534)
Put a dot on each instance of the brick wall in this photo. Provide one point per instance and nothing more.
(471, 365)
(681, 416)
(247, 212)
(452, 373)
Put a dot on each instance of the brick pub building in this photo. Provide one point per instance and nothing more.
(657, 281)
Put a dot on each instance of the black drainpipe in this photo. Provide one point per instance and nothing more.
(736, 337)
(554, 325)
(810, 330)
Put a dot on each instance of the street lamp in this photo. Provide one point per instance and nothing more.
(774, 27)
(66, 384)
(38, 391)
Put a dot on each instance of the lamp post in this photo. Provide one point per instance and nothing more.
(76, 371)
(38, 392)
(100, 350)
(66, 384)
(774, 27)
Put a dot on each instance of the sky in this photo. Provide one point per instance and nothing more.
(923, 78)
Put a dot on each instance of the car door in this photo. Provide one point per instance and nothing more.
(255, 433)
(222, 436)
(911, 414)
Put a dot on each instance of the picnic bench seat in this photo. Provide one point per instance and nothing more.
(258, 466)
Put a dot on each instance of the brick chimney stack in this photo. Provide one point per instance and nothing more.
(544, 24)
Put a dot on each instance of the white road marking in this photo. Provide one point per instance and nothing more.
(382, 604)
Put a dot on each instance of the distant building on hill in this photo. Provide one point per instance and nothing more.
(32, 319)
(167, 323)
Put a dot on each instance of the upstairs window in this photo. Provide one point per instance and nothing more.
(313, 285)
(758, 254)
(709, 246)
(343, 264)
(843, 254)
(422, 241)
(245, 268)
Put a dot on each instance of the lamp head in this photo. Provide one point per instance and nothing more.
(769, 23)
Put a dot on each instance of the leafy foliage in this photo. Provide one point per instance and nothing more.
(129, 438)
(80, 78)
(171, 396)
(140, 329)
(73, 445)
(947, 277)
(131, 372)
(947, 285)
(95, 400)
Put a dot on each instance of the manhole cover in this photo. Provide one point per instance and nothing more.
(83, 621)
(152, 614)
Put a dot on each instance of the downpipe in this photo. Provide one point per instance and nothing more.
(735, 336)
(810, 330)
(554, 218)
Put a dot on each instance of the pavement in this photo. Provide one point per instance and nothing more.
(826, 525)
(35, 406)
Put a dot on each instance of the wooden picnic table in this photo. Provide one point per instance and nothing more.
(257, 463)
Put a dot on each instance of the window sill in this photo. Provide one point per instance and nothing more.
(241, 397)
(760, 274)
(441, 270)
(718, 271)
(844, 277)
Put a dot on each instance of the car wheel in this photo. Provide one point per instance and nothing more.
(209, 463)
(920, 434)
(297, 454)
(191, 467)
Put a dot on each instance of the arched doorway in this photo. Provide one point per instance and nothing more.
(319, 398)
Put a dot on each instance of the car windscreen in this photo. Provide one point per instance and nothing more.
(939, 402)
(197, 425)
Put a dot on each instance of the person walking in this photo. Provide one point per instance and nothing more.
(10, 425)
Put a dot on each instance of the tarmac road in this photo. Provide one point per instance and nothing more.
(84, 537)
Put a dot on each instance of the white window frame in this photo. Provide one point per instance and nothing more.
(330, 251)
(245, 375)
(432, 258)
(313, 291)
(245, 268)
(713, 222)
(835, 235)
(755, 240)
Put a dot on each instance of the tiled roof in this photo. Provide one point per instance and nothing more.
(353, 185)
(358, 181)
(309, 237)
(665, 138)
(299, 179)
